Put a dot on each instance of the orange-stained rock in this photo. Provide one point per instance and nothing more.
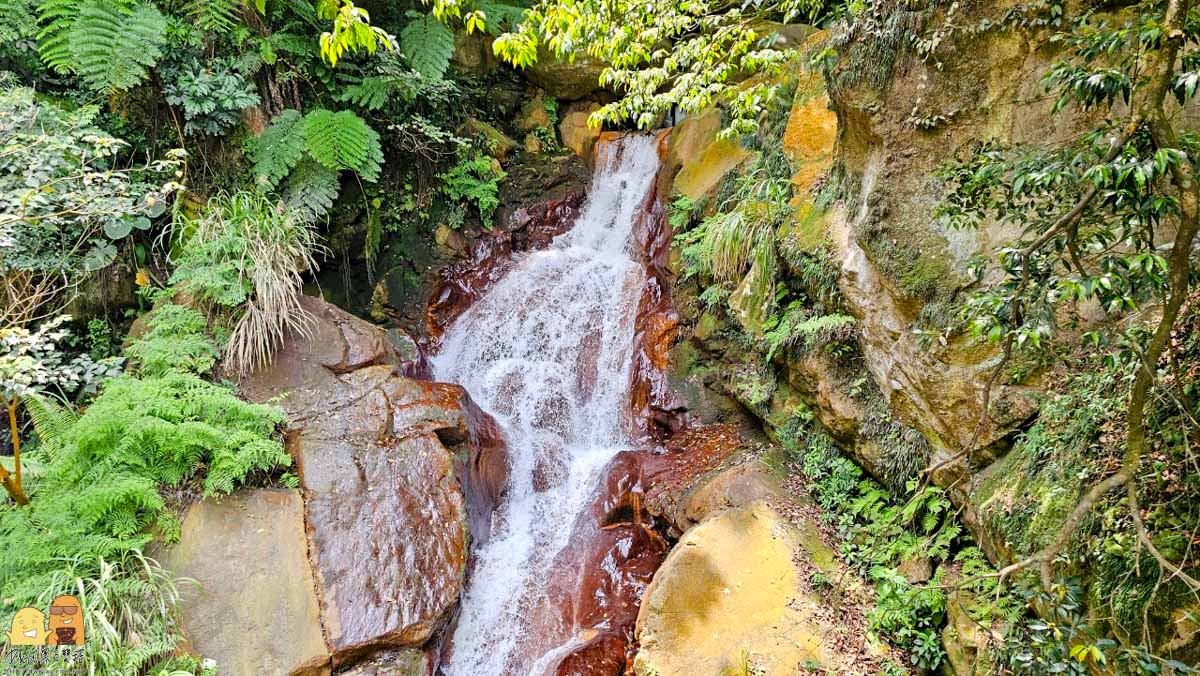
(575, 132)
(696, 178)
(808, 139)
(732, 595)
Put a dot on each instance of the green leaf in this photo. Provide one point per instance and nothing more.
(117, 228)
(427, 45)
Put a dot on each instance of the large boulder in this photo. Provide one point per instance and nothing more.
(386, 516)
(569, 80)
(254, 608)
(732, 597)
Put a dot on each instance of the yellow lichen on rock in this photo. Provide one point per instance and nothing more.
(730, 594)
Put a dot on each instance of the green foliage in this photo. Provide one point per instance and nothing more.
(212, 93)
(97, 501)
(277, 150)
(662, 55)
(311, 190)
(175, 339)
(910, 616)
(109, 44)
(342, 141)
(475, 180)
(65, 198)
(1064, 640)
(333, 141)
(352, 31)
(427, 45)
(246, 258)
(216, 16)
(799, 328)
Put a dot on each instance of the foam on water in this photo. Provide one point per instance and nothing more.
(548, 353)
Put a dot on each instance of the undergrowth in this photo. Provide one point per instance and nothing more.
(107, 484)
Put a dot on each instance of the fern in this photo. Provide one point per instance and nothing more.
(277, 150)
(427, 45)
(57, 17)
(343, 141)
(217, 16)
(51, 418)
(370, 93)
(114, 46)
(335, 141)
(310, 192)
(176, 340)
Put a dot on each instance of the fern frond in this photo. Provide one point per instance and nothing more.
(370, 93)
(114, 47)
(217, 16)
(51, 418)
(277, 150)
(311, 189)
(57, 17)
(343, 141)
(427, 45)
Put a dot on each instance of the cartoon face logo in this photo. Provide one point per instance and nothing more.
(66, 622)
(28, 628)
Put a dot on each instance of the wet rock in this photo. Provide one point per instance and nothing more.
(386, 518)
(395, 663)
(916, 569)
(730, 596)
(701, 175)
(526, 228)
(498, 143)
(473, 53)
(254, 609)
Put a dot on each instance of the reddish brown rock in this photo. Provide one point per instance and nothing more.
(385, 515)
(658, 410)
(529, 229)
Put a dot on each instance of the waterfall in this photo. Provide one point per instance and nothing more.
(548, 353)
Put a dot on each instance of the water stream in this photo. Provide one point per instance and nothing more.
(548, 353)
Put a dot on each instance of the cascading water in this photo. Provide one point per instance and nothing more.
(548, 353)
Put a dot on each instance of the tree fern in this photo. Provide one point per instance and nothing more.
(427, 45)
(310, 191)
(277, 150)
(336, 141)
(217, 16)
(343, 141)
(113, 45)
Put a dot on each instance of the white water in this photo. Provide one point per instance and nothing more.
(548, 352)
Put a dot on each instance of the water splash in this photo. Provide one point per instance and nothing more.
(548, 353)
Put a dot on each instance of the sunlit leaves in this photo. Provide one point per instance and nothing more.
(352, 31)
(661, 55)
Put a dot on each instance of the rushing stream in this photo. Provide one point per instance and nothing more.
(548, 353)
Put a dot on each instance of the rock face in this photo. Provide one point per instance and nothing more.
(568, 80)
(733, 595)
(726, 595)
(372, 559)
(386, 517)
(575, 132)
(254, 608)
